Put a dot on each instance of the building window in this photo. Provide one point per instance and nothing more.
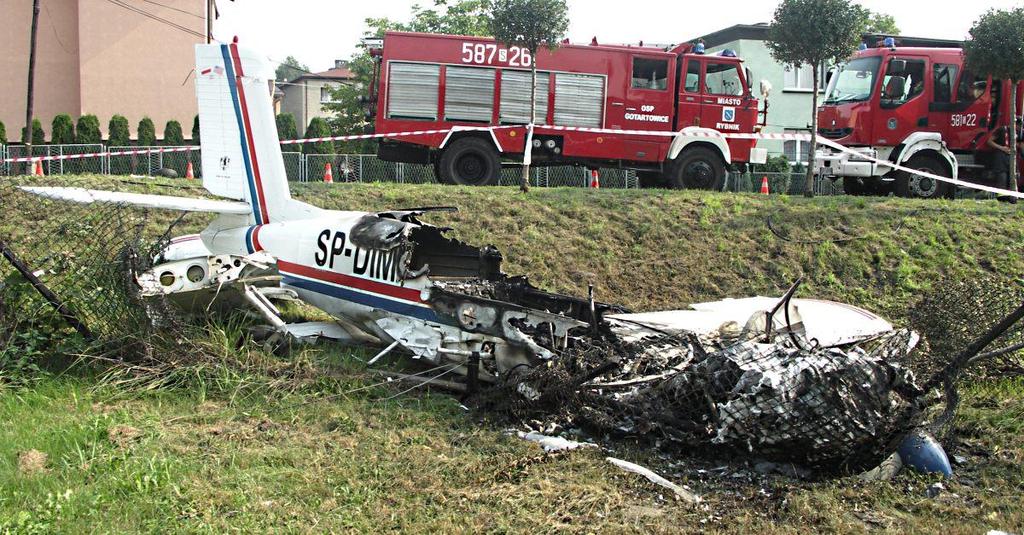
(796, 151)
(325, 95)
(801, 79)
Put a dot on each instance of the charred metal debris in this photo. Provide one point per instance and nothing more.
(812, 382)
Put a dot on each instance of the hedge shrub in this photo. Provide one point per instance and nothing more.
(89, 129)
(172, 134)
(62, 130)
(118, 134)
(286, 127)
(38, 135)
(318, 128)
(146, 133)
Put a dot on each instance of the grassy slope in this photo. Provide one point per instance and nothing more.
(362, 461)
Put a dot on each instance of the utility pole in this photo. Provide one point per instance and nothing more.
(210, 10)
(31, 79)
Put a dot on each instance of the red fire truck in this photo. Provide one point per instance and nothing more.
(914, 107)
(480, 91)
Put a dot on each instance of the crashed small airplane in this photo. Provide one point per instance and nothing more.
(390, 280)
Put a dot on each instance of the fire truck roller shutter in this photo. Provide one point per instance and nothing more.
(412, 91)
(515, 96)
(579, 100)
(469, 94)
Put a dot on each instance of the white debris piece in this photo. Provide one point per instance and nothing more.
(553, 444)
(680, 492)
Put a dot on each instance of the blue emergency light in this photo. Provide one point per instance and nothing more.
(728, 53)
(889, 42)
(698, 48)
(863, 46)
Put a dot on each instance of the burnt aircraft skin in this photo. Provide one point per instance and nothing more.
(397, 279)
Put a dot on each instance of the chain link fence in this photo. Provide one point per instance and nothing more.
(781, 183)
(171, 161)
(299, 167)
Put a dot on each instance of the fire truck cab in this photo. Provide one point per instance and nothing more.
(667, 108)
(914, 107)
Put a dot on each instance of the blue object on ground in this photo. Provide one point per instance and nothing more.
(923, 453)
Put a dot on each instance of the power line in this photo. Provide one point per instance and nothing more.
(200, 17)
(161, 20)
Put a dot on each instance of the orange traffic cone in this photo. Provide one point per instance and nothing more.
(595, 179)
(38, 171)
(189, 174)
(328, 174)
(764, 185)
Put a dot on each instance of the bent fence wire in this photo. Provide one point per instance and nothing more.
(86, 256)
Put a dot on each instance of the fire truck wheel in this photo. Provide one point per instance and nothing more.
(697, 168)
(921, 187)
(441, 177)
(470, 161)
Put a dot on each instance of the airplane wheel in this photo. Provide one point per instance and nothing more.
(471, 161)
(697, 168)
(920, 187)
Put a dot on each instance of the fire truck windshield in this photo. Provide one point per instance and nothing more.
(854, 81)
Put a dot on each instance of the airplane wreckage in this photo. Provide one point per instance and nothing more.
(812, 382)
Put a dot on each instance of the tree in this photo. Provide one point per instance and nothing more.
(62, 130)
(89, 130)
(172, 134)
(461, 17)
(38, 135)
(996, 48)
(348, 114)
(318, 128)
(146, 133)
(3, 133)
(879, 23)
(195, 130)
(118, 134)
(286, 126)
(814, 33)
(529, 24)
(290, 69)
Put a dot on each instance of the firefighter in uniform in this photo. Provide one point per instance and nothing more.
(1000, 142)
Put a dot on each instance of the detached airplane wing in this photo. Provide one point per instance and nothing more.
(90, 196)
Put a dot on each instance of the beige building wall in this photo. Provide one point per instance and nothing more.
(302, 100)
(96, 57)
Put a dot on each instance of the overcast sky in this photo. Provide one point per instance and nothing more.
(319, 31)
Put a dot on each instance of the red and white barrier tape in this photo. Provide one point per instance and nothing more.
(707, 134)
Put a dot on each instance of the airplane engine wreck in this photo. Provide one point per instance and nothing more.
(807, 381)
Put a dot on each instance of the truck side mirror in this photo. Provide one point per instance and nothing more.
(897, 66)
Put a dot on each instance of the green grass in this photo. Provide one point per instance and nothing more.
(248, 451)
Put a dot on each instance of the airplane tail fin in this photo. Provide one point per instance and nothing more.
(241, 155)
